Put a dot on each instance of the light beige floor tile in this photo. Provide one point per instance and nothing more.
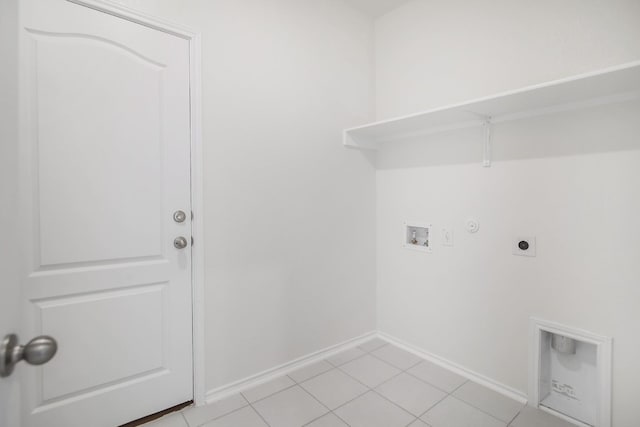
(372, 344)
(437, 376)
(489, 401)
(411, 394)
(246, 417)
(329, 420)
(532, 417)
(372, 410)
(452, 412)
(418, 423)
(309, 371)
(171, 420)
(345, 356)
(369, 370)
(263, 390)
(334, 388)
(292, 407)
(201, 414)
(396, 356)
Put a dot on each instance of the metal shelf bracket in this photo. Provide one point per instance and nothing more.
(486, 158)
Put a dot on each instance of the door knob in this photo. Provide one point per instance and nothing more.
(179, 216)
(38, 351)
(180, 242)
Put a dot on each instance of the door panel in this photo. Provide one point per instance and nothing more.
(116, 131)
(105, 161)
(69, 374)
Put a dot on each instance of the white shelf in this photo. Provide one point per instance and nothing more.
(606, 86)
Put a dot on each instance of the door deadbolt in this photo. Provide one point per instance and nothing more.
(179, 216)
(38, 351)
(180, 242)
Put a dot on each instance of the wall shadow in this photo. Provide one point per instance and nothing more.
(581, 132)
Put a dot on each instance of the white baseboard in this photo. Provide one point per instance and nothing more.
(269, 374)
(458, 369)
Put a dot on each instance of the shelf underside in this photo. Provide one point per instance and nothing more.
(604, 87)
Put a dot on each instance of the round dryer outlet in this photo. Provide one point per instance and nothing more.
(473, 225)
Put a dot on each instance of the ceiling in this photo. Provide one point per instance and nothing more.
(377, 8)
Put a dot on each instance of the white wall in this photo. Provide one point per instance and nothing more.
(290, 214)
(572, 180)
(9, 289)
(435, 52)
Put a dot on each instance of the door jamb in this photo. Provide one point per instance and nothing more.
(195, 101)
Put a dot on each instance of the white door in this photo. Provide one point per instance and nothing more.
(9, 252)
(105, 163)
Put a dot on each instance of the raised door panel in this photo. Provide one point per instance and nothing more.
(99, 151)
(98, 349)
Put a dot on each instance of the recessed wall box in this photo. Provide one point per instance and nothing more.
(571, 374)
(416, 236)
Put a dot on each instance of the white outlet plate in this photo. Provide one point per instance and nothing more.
(515, 244)
(447, 237)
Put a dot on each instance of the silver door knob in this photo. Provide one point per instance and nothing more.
(38, 351)
(180, 242)
(179, 216)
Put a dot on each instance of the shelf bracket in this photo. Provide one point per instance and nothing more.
(486, 158)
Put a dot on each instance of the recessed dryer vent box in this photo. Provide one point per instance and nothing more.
(416, 236)
(571, 374)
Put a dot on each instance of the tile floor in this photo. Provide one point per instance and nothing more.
(373, 385)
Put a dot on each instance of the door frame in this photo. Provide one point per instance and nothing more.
(197, 181)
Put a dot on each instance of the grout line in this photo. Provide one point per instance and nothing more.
(394, 403)
(351, 376)
(331, 367)
(364, 353)
(515, 416)
(397, 367)
(350, 360)
(218, 417)
(433, 385)
(185, 419)
(386, 381)
(316, 419)
(260, 415)
(433, 406)
(351, 400)
(342, 419)
(459, 387)
(275, 392)
(391, 378)
(372, 350)
(316, 399)
(352, 348)
(481, 410)
(254, 409)
(450, 394)
(367, 389)
(447, 394)
(328, 409)
(384, 361)
(371, 389)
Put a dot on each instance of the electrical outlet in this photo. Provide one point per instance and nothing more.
(447, 237)
(524, 246)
